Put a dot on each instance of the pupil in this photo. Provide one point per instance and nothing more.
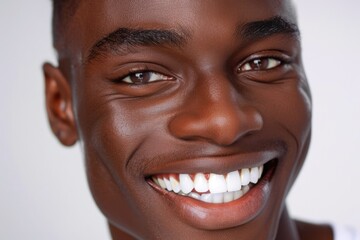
(140, 77)
(259, 64)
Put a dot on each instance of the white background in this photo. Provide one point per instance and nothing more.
(43, 191)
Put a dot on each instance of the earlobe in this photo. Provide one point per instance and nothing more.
(59, 105)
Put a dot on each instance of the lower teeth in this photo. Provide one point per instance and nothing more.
(218, 197)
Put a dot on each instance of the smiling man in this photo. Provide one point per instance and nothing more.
(194, 116)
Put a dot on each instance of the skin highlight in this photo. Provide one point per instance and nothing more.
(158, 87)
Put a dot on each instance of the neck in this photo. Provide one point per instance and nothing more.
(116, 233)
(287, 228)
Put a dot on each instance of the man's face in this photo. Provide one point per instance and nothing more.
(205, 93)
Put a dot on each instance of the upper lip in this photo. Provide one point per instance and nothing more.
(214, 164)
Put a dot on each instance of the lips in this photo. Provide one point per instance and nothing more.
(215, 192)
(211, 187)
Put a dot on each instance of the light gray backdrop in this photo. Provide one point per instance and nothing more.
(43, 191)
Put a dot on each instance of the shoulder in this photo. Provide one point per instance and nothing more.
(315, 231)
(326, 231)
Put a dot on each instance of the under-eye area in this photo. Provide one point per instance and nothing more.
(211, 187)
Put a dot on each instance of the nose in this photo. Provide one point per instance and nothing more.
(215, 111)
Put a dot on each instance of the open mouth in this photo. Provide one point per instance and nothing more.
(211, 187)
(232, 194)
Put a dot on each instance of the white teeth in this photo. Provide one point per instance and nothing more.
(261, 169)
(162, 183)
(218, 198)
(245, 176)
(156, 180)
(254, 174)
(175, 185)
(217, 189)
(194, 195)
(233, 181)
(246, 189)
(228, 196)
(217, 183)
(200, 183)
(206, 197)
(168, 184)
(182, 194)
(238, 194)
(186, 183)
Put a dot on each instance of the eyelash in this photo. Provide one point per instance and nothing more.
(279, 61)
(276, 62)
(126, 78)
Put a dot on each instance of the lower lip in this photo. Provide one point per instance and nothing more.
(209, 216)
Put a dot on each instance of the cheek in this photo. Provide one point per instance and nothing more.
(109, 140)
(296, 114)
(301, 125)
(289, 108)
(114, 136)
(290, 117)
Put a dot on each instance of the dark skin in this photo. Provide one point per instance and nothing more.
(156, 87)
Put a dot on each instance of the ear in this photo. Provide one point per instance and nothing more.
(59, 105)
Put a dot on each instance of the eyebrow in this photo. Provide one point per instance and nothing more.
(121, 40)
(265, 28)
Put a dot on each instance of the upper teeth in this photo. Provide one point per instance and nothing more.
(185, 184)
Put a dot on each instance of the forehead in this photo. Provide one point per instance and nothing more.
(95, 19)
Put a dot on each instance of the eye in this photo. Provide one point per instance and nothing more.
(144, 77)
(260, 64)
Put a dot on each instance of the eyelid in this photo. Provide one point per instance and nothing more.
(275, 63)
(127, 79)
(141, 69)
(283, 58)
